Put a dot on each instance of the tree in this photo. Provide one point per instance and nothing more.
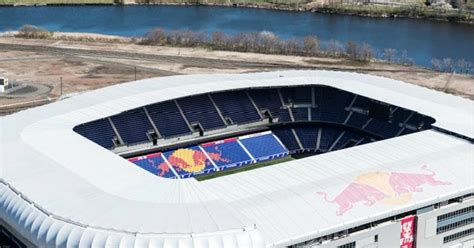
(351, 50)
(267, 41)
(404, 59)
(33, 32)
(389, 54)
(436, 64)
(366, 53)
(448, 65)
(311, 45)
(334, 47)
(155, 36)
(219, 39)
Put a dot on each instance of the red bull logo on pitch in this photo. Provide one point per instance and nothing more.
(192, 160)
(390, 188)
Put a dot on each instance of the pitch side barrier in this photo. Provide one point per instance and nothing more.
(210, 157)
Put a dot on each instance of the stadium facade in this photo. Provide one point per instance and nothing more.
(377, 163)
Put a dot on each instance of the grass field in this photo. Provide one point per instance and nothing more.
(243, 168)
(39, 2)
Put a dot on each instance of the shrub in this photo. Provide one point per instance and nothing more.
(268, 42)
(311, 45)
(450, 65)
(334, 47)
(33, 32)
(389, 54)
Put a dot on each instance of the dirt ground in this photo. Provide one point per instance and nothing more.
(87, 65)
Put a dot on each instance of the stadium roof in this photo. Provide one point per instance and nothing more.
(60, 189)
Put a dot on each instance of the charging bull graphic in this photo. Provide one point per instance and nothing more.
(162, 168)
(191, 160)
(391, 188)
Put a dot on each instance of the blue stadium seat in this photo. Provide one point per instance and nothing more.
(357, 120)
(406, 131)
(200, 109)
(189, 161)
(361, 102)
(300, 114)
(418, 120)
(328, 136)
(400, 115)
(383, 129)
(237, 106)
(264, 147)
(365, 140)
(168, 119)
(132, 126)
(269, 99)
(348, 139)
(301, 94)
(99, 131)
(333, 105)
(227, 153)
(308, 137)
(288, 138)
(155, 164)
(315, 114)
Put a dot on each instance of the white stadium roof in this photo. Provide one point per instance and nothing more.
(60, 189)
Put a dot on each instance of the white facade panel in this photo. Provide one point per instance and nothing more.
(74, 193)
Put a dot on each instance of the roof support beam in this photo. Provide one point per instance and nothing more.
(184, 116)
(284, 106)
(151, 122)
(116, 131)
(337, 140)
(297, 139)
(318, 139)
(217, 109)
(254, 104)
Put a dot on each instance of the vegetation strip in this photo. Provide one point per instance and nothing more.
(268, 43)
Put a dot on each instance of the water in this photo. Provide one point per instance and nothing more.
(422, 39)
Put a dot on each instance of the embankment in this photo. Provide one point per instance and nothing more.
(409, 9)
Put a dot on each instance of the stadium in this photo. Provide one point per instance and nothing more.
(273, 159)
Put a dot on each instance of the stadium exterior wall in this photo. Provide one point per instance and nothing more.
(54, 195)
(388, 234)
(42, 229)
(426, 230)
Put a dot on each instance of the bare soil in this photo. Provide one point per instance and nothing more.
(89, 61)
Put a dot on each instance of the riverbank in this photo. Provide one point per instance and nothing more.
(264, 42)
(53, 2)
(408, 9)
(89, 61)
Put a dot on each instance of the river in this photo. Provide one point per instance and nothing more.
(422, 39)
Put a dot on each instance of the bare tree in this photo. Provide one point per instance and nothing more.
(334, 47)
(267, 41)
(389, 54)
(219, 40)
(437, 64)
(405, 59)
(352, 50)
(366, 53)
(463, 66)
(33, 32)
(311, 45)
(448, 65)
(293, 46)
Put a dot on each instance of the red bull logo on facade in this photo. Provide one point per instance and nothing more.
(390, 188)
